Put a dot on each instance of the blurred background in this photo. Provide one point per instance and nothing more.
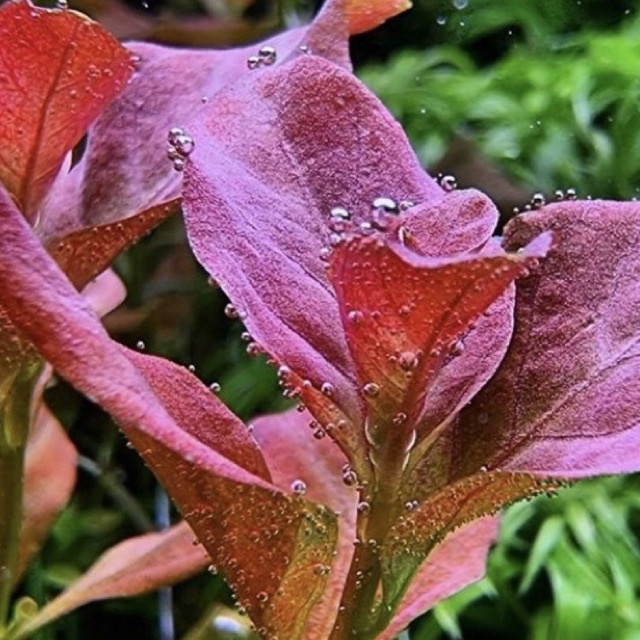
(515, 98)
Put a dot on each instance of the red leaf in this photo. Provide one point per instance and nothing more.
(133, 567)
(365, 15)
(85, 253)
(404, 316)
(237, 515)
(416, 534)
(455, 563)
(566, 399)
(58, 73)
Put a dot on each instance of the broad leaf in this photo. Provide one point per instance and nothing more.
(317, 464)
(424, 525)
(566, 399)
(237, 515)
(133, 567)
(318, 140)
(85, 253)
(458, 561)
(58, 70)
(172, 88)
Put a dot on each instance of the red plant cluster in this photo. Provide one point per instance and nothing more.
(444, 373)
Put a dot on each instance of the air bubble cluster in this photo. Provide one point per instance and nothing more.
(181, 146)
(267, 56)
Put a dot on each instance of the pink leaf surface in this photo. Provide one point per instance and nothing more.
(133, 567)
(566, 399)
(220, 499)
(170, 88)
(58, 70)
(263, 205)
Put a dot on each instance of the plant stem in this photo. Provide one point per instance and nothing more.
(16, 390)
(11, 470)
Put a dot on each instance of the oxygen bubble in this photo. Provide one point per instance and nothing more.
(267, 55)
(457, 348)
(327, 388)
(538, 200)
(253, 349)
(405, 204)
(231, 312)
(304, 48)
(366, 228)
(140, 345)
(318, 434)
(339, 220)
(349, 476)
(559, 194)
(371, 389)
(299, 487)
(284, 371)
(387, 204)
(253, 62)
(355, 316)
(364, 507)
(179, 164)
(62, 4)
(184, 144)
(448, 183)
(215, 387)
(571, 194)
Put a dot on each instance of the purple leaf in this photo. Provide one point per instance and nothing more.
(566, 399)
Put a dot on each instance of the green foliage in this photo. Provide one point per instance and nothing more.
(566, 117)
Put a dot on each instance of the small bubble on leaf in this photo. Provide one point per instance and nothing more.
(364, 507)
(327, 389)
(231, 312)
(267, 55)
(140, 345)
(448, 183)
(253, 62)
(538, 200)
(387, 204)
(215, 387)
(299, 487)
(370, 389)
